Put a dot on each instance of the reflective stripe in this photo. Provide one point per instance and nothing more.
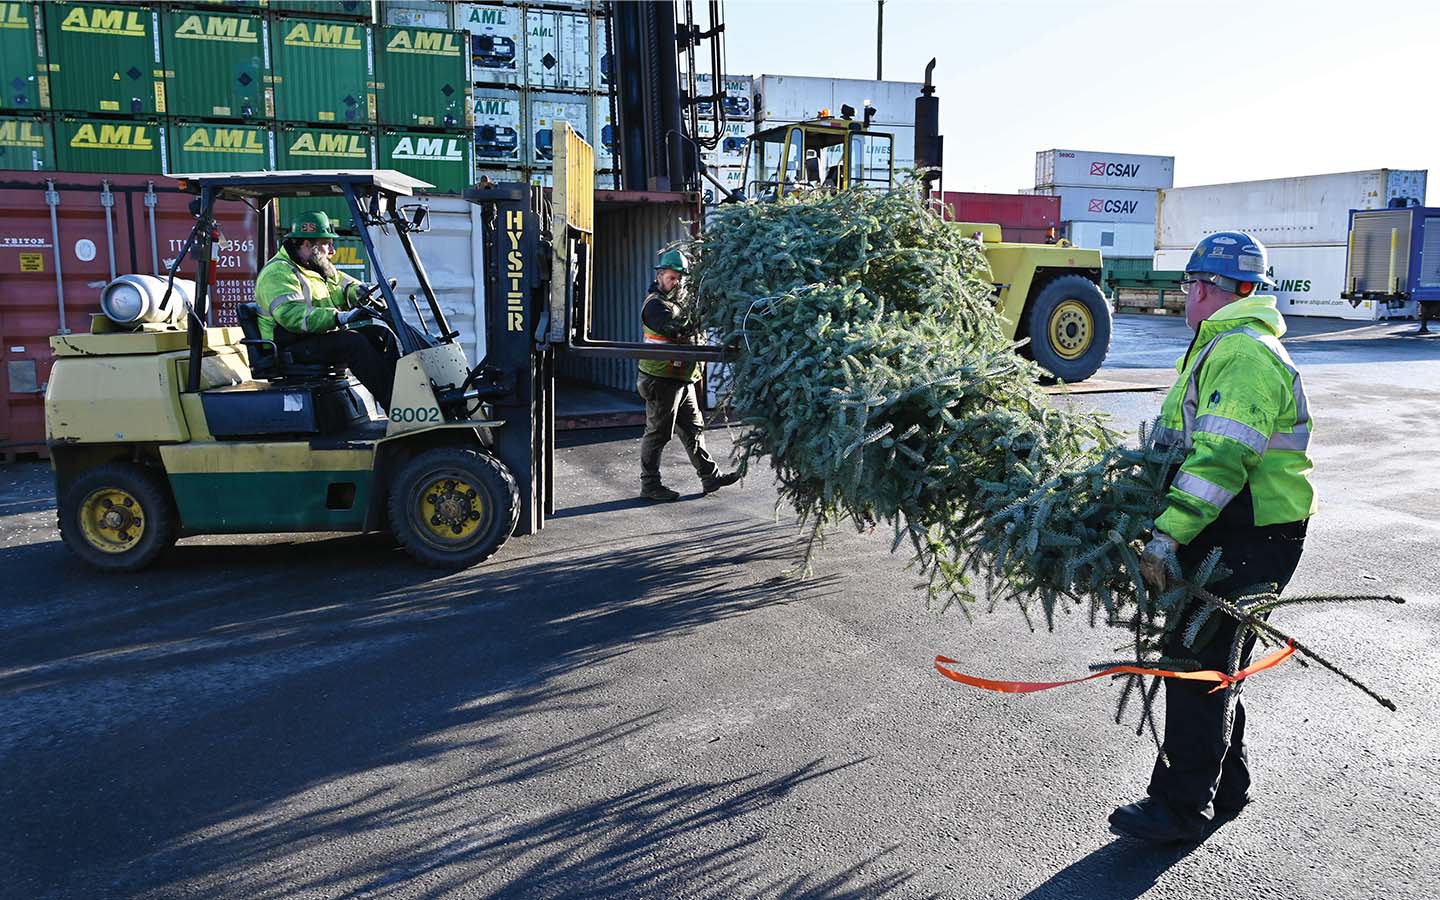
(265, 308)
(1208, 491)
(1279, 440)
(1234, 429)
(305, 288)
(653, 338)
(1299, 439)
(1166, 437)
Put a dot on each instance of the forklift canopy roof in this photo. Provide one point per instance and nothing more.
(315, 183)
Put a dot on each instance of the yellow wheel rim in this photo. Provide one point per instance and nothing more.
(451, 510)
(112, 520)
(1072, 329)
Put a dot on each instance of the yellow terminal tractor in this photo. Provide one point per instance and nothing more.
(162, 425)
(1047, 293)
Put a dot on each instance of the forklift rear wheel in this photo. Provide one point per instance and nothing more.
(118, 517)
(1070, 328)
(453, 507)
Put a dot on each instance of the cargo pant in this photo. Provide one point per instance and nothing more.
(671, 406)
(1201, 762)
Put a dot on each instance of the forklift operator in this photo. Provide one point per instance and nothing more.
(312, 311)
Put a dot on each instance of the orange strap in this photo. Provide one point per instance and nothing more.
(1224, 679)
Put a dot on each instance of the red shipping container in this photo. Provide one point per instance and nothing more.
(89, 252)
(1005, 210)
(1024, 235)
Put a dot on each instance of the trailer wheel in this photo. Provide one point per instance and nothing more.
(118, 517)
(1069, 327)
(452, 507)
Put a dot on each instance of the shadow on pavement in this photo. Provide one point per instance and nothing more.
(234, 687)
(1123, 869)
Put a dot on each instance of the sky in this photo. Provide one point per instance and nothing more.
(1235, 90)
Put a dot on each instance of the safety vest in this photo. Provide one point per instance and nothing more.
(661, 368)
(302, 301)
(1240, 413)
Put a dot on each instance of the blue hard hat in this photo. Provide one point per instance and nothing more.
(1234, 255)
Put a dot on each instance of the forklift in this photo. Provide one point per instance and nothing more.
(162, 425)
(1046, 294)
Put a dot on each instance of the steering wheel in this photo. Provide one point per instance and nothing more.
(369, 298)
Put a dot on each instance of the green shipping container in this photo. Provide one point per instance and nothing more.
(421, 76)
(217, 64)
(349, 9)
(105, 58)
(323, 71)
(327, 148)
(444, 160)
(27, 143)
(23, 78)
(106, 145)
(211, 147)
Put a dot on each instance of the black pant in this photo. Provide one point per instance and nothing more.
(368, 351)
(671, 406)
(1201, 762)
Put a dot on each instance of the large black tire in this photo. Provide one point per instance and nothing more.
(119, 517)
(452, 507)
(1069, 328)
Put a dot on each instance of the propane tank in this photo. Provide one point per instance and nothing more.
(139, 299)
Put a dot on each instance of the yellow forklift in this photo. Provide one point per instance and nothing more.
(162, 425)
(1046, 293)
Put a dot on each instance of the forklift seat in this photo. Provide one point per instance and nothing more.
(267, 361)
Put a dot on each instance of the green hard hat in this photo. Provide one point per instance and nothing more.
(313, 225)
(673, 259)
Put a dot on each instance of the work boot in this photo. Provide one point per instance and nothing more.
(658, 492)
(724, 479)
(1154, 821)
(1230, 807)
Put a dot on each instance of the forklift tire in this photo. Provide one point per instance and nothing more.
(1069, 328)
(118, 517)
(452, 507)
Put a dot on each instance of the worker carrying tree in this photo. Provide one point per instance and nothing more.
(668, 387)
(1239, 412)
(306, 305)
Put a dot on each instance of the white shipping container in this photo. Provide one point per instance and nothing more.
(547, 109)
(730, 176)
(601, 55)
(419, 14)
(1103, 204)
(500, 127)
(731, 149)
(449, 252)
(791, 98)
(738, 102)
(557, 49)
(1114, 240)
(1309, 210)
(1308, 281)
(1089, 168)
(604, 139)
(497, 41)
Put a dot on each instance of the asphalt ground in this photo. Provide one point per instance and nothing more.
(639, 702)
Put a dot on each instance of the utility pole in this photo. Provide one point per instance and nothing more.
(880, 42)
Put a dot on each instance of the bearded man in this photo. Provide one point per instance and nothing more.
(309, 309)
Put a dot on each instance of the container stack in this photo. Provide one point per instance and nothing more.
(1108, 203)
(531, 65)
(726, 159)
(1304, 223)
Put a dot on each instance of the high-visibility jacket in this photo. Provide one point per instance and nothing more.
(1240, 412)
(660, 319)
(301, 300)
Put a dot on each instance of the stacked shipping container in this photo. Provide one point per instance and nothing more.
(531, 65)
(1028, 219)
(1108, 202)
(1304, 222)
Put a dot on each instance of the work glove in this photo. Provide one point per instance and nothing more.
(349, 315)
(1155, 561)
